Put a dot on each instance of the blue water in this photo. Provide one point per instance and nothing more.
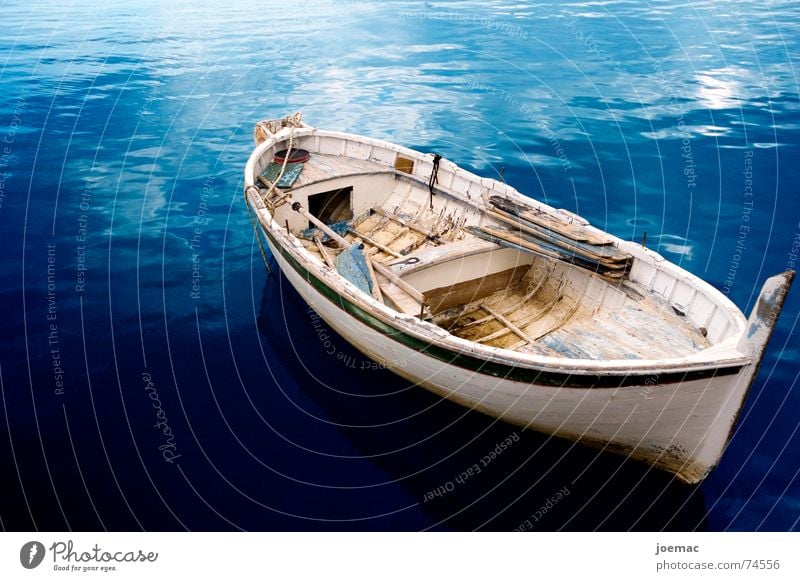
(154, 377)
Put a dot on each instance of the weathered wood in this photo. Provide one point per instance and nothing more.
(368, 248)
(674, 407)
(507, 322)
(597, 252)
(508, 309)
(376, 286)
(323, 251)
(407, 224)
(397, 298)
(375, 243)
(269, 184)
(321, 167)
(407, 288)
(542, 248)
(378, 223)
(443, 298)
(527, 319)
(571, 253)
(576, 232)
(572, 310)
(278, 196)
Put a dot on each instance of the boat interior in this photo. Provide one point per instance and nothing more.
(491, 271)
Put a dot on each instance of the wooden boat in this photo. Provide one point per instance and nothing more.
(504, 304)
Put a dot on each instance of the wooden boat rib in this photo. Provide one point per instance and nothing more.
(506, 305)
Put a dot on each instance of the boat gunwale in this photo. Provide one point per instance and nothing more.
(715, 357)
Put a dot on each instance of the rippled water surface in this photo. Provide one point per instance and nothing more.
(154, 377)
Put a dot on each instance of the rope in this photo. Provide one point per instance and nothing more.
(272, 187)
(292, 121)
(434, 176)
(256, 232)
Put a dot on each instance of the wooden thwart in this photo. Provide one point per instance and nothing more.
(460, 293)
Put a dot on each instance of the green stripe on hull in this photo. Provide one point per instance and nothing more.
(491, 368)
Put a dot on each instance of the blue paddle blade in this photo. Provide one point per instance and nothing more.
(352, 264)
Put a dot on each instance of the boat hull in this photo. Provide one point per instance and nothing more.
(673, 408)
(671, 422)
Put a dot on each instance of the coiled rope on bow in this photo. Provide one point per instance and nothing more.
(292, 121)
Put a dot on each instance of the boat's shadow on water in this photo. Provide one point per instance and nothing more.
(467, 471)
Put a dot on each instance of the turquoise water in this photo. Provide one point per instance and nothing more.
(154, 377)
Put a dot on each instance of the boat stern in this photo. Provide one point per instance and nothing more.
(765, 314)
(752, 344)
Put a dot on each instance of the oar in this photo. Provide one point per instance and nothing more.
(596, 252)
(545, 220)
(344, 243)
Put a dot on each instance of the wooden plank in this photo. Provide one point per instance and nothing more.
(564, 320)
(269, 184)
(540, 248)
(323, 251)
(565, 252)
(446, 297)
(605, 252)
(419, 243)
(528, 319)
(576, 232)
(516, 330)
(518, 304)
(616, 344)
(376, 286)
(397, 298)
(538, 348)
(379, 223)
(375, 243)
(536, 247)
(405, 223)
(382, 269)
(567, 348)
(324, 166)
(277, 194)
(397, 235)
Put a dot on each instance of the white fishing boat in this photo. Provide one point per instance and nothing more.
(504, 304)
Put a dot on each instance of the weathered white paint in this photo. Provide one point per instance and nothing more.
(679, 427)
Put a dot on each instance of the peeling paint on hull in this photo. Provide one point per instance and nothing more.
(680, 428)
(675, 414)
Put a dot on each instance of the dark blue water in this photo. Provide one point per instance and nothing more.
(154, 377)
